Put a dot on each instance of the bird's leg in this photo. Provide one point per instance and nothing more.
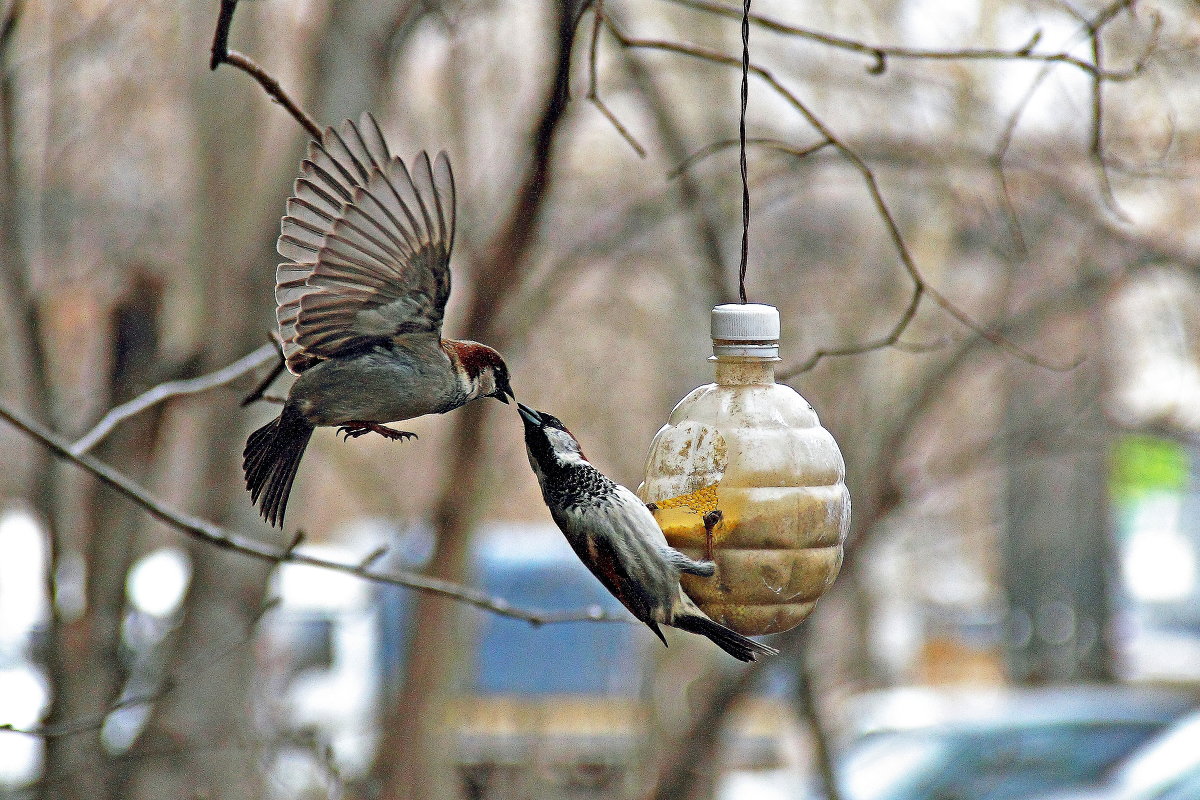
(355, 429)
(711, 520)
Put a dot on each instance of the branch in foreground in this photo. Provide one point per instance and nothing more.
(91, 722)
(213, 534)
(165, 391)
(193, 668)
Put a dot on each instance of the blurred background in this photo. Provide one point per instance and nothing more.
(1019, 611)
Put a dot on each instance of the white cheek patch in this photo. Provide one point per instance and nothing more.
(563, 443)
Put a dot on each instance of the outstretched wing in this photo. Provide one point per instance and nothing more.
(368, 244)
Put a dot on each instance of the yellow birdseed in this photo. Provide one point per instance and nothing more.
(700, 501)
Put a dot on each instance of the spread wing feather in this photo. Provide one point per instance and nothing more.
(368, 246)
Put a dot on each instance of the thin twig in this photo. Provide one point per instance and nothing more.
(1003, 145)
(757, 141)
(91, 722)
(190, 670)
(220, 45)
(881, 53)
(12, 15)
(887, 340)
(920, 286)
(593, 93)
(221, 54)
(692, 199)
(1093, 28)
(213, 534)
(260, 391)
(171, 389)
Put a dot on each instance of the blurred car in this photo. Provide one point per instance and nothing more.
(937, 745)
(1166, 768)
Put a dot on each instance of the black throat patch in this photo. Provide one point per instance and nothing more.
(572, 484)
(567, 484)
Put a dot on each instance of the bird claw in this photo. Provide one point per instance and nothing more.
(394, 435)
(349, 432)
(353, 430)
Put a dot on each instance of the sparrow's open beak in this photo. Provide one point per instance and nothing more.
(503, 391)
(529, 415)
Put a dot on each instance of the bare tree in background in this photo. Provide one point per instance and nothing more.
(940, 209)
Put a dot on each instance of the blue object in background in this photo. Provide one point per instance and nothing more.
(530, 566)
(514, 657)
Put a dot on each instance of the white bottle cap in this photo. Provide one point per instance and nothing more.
(746, 330)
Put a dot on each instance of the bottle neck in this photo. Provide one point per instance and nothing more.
(733, 371)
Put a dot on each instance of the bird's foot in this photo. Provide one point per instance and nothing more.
(711, 520)
(353, 430)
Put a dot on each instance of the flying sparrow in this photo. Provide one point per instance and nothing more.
(360, 302)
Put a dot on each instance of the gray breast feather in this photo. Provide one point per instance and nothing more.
(634, 511)
(630, 527)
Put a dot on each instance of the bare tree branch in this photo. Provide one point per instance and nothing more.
(695, 203)
(887, 340)
(94, 722)
(881, 53)
(74, 727)
(1093, 28)
(215, 535)
(756, 141)
(170, 389)
(920, 286)
(593, 93)
(221, 54)
(410, 723)
(694, 753)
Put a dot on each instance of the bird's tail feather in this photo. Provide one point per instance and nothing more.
(271, 460)
(732, 642)
(705, 569)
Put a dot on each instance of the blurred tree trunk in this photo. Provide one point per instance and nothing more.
(354, 55)
(689, 765)
(201, 738)
(53, 308)
(1058, 558)
(808, 706)
(416, 755)
(88, 645)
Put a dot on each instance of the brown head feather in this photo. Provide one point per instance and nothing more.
(472, 356)
(475, 358)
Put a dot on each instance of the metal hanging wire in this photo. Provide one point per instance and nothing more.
(742, 150)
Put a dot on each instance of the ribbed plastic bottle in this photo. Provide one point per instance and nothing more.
(744, 473)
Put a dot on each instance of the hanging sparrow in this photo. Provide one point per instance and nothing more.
(360, 305)
(616, 537)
